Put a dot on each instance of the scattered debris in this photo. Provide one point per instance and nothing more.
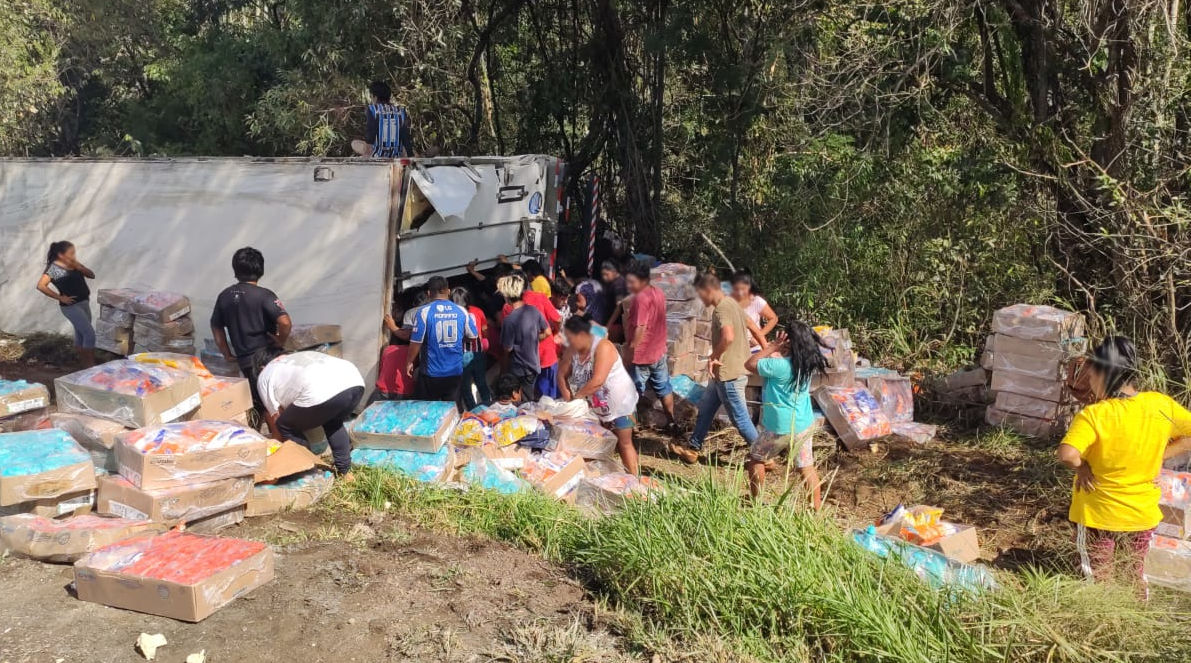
(149, 644)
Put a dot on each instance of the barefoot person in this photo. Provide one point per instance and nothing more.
(787, 420)
(591, 369)
(69, 278)
(1116, 447)
(307, 390)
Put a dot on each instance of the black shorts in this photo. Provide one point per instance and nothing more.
(430, 388)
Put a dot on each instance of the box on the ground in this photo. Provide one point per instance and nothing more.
(1030, 407)
(306, 336)
(1024, 385)
(915, 431)
(185, 453)
(507, 458)
(76, 504)
(18, 396)
(180, 575)
(422, 426)
(1026, 425)
(27, 420)
(96, 435)
(854, 414)
(610, 492)
(1050, 350)
(555, 473)
(66, 539)
(129, 392)
(1168, 563)
(219, 521)
(1042, 369)
(963, 545)
(297, 492)
(223, 399)
(41, 464)
(963, 379)
(895, 394)
(117, 342)
(425, 467)
(1038, 323)
(160, 305)
(181, 504)
(287, 459)
(1175, 504)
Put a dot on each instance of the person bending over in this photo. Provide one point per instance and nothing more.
(307, 390)
(69, 278)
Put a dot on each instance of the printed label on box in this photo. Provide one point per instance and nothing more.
(177, 314)
(569, 486)
(182, 408)
(125, 511)
(27, 404)
(70, 505)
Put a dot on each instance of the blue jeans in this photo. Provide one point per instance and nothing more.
(731, 395)
(475, 371)
(79, 315)
(654, 376)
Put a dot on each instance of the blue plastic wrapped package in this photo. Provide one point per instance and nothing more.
(423, 426)
(425, 467)
(17, 396)
(39, 464)
(687, 389)
(932, 567)
(483, 472)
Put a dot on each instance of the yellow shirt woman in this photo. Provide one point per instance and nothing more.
(540, 284)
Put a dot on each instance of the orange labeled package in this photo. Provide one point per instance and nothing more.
(179, 575)
(189, 452)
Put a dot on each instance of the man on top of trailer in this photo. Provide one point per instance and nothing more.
(389, 134)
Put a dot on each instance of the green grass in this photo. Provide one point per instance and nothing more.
(780, 584)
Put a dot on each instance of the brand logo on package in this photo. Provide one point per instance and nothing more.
(535, 202)
(163, 592)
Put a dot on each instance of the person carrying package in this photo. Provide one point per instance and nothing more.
(1116, 447)
(592, 371)
(475, 357)
(388, 132)
(441, 326)
(645, 332)
(69, 278)
(760, 316)
(306, 390)
(547, 381)
(522, 329)
(252, 318)
(725, 367)
(787, 419)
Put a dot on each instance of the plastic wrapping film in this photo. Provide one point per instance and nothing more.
(680, 331)
(598, 467)
(931, 566)
(115, 340)
(687, 389)
(1052, 350)
(1168, 563)
(422, 426)
(181, 504)
(512, 430)
(129, 392)
(39, 464)
(1175, 487)
(674, 271)
(160, 305)
(1043, 369)
(218, 521)
(1040, 388)
(151, 332)
(294, 493)
(854, 414)
(66, 539)
(609, 492)
(180, 575)
(25, 421)
(573, 409)
(1030, 407)
(687, 308)
(117, 298)
(556, 473)
(304, 336)
(175, 360)
(17, 396)
(837, 347)
(585, 438)
(916, 432)
(180, 345)
(116, 317)
(481, 471)
(1038, 323)
(189, 452)
(896, 395)
(425, 467)
(96, 435)
(217, 365)
(471, 431)
(1026, 425)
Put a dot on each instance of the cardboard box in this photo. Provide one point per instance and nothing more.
(219, 521)
(183, 504)
(684, 364)
(1049, 350)
(185, 453)
(117, 346)
(41, 464)
(1043, 369)
(422, 426)
(962, 546)
(842, 378)
(306, 336)
(298, 492)
(96, 435)
(838, 350)
(25, 421)
(1038, 323)
(160, 305)
(71, 504)
(703, 329)
(507, 458)
(17, 396)
(1026, 425)
(223, 399)
(152, 332)
(974, 377)
(1030, 407)
(67, 539)
(116, 317)
(117, 298)
(854, 414)
(287, 460)
(427, 468)
(1175, 503)
(129, 392)
(1168, 563)
(179, 575)
(554, 473)
(1024, 385)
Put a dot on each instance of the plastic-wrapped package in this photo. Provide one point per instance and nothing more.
(17, 396)
(1038, 323)
(38, 464)
(1054, 391)
(598, 467)
(294, 493)
(481, 471)
(181, 362)
(676, 290)
(1168, 563)
(116, 317)
(837, 347)
(306, 336)
(67, 539)
(425, 467)
(25, 421)
(674, 271)
(513, 430)
(179, 345)
(1026, 425)
(854, 414)
(422, 426)
(573, 409)
(584, 437)
(189, 452)
(1050, 350)
(471, 431)
(687, 308)
(113, 339)
(555, 473)
(1175, 486)
(916, 432)
(932, 567)
(180, 504)
(610, 492)
(117, 298)
(96, 435)
(218, 521)
(1043, 369)
(896, 395)
(150, 331)
(129, 392)
(217, 365)
(160, 305)
(1030, 407)
(179, 575)
(687, 389)
(71, 504)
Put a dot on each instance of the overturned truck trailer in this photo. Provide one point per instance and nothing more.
(340, 237)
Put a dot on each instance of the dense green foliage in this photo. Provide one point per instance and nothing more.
(900, 167)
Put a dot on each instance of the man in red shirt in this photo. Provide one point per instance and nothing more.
(547, 382)
(645, 334)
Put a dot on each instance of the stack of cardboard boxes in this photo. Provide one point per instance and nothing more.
(132, 320)
(688, 321)
(23, 405)
(1168, 562)
(1027, 357)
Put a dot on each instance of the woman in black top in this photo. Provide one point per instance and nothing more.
(69, 278)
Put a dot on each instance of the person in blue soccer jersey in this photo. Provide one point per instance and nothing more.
(388, 134)
(440, 327)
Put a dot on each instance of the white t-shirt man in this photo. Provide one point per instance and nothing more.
(305, 379)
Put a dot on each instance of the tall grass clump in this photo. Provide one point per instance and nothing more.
(782, 584)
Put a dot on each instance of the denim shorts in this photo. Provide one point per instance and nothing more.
(622, 423)
(770, 445)
(654, 376)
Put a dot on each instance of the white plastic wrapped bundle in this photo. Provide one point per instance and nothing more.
(160, 305)
(116, 317)
(129, 392)
(1038, 323)
(585, 438)
(153, 332)
(117, 298)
